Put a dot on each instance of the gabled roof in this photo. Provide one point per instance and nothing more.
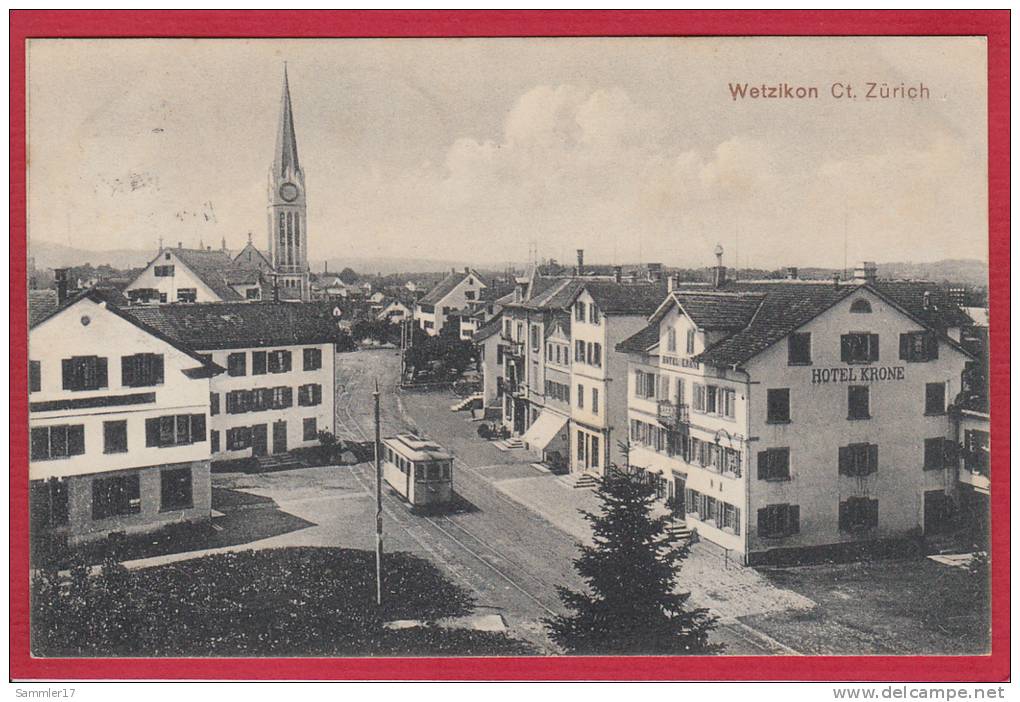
(249, 253)
(218, 325)
(625, 298)
(242, 276)
(713, 310)
(447, 284)
(910, 295)
(488, 329)
(95, 296)
(41, 304)
(644, 341)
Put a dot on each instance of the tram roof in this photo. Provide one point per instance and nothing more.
(414, 448)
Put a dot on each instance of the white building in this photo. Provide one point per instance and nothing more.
(395, 312)
(450, 296)
(790, 415)
(194, 275)
(118, 417)
(277, 391)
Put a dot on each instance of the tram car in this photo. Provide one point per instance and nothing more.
(419, 469)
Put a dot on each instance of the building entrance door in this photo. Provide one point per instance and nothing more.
(259, 444)
(280, 437)
(679, 496)
(938, 512)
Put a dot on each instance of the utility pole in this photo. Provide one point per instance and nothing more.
(378, 501)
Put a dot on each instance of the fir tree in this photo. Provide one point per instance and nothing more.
(631, 605)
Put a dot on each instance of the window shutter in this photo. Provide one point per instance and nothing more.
(76, 440)
(763, 521)
(736, 521)
(197, 428)
(949, 452)
(127, 371)
(152, 431)
(317, 394)
(872, 458)
(288, 394)
(157, 369)
(763, 465)
(793, 519)
(844, 515)
(67, 373)
(873, 347)
(873, 513)
(844, 460)
(844, 348)
(286, 361)
(904, 347)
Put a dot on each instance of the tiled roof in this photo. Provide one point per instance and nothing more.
(218, 325)
(719, 311)
(626, 298)
(446, 286)
(241, 276)
(210, 267)
(488, 329)
(909, 295)
(41, 304)
(642, 342)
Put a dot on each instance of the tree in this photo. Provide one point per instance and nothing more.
(348, 276)
(631, 605)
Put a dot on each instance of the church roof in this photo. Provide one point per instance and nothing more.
(285, 159)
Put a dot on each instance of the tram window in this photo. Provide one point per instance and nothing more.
(419, 471)
(446, 471)
(405, 465)
(433, 471)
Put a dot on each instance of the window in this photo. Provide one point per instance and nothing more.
(939, 453)
(115, 436)
(162, 297)
(309, 395)
(239, 438)
(860, 307)
(61, 441)
(858, 398)
(34, 376)
(252, 294)
(699, 397)
(644, 384)
(690, 342)
(934, 398)
(175, 489)
(174, 430)
(115, 496)
(858, 460)
(214, 404)
(84, 373)
(258, 362)
(774, 464)
(309, 431)
(579, 308)
(799, 349)
(163, 271)
(579, 351)
(187, 294)
(279, 362)
(507, 328)
(549, 353)
(594, 454)
(727, 403)
(49, 503)
(534, 337)
(858, 513)
(778, 400)
(580, 396)
(593, 314)
(469, 294)
(141, 370)
(596, 355)
(236, 364)
(594, 401)
(976, 451)
(282, 397)
(580, 445)
(918, 347)
(312, 359)
(858, 347)
(671, 340)
(777, 521)
(214, 442)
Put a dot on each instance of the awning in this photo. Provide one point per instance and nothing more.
(541, 433)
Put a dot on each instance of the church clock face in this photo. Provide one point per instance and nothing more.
(289, 192)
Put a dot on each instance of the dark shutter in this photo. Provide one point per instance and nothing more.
(67, 373)
(288, 394)
(793, 519)
(197, 428)
(950, 452)
(152, 431)
(763, 465)
(873, 347)
(872, 458)
(127, 371)
(76, 440)
(40, 443)
(214, 442)
(736, 521)
(904, 347)
(844, 515)
(763, 522)
(34, 376)
(844, 348)
(286, 361)
(316, 394)
(844, 460)
(157, 369)
(258, 362)
(183, 429)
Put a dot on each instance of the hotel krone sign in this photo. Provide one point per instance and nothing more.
(857, 374)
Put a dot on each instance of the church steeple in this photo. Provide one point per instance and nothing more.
(285, 161)
(288, 231)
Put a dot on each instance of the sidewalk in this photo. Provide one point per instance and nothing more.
(730, 590)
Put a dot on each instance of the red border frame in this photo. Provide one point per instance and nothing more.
(992, 24)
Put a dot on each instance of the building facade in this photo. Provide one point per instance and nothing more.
(118, 431)
(448, 299)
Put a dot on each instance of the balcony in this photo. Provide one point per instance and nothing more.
(672, 415)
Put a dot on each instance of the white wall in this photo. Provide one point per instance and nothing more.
(108, 335)
(182, 278)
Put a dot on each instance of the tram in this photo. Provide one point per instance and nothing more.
(419, 469)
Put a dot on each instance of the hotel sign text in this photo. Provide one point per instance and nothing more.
(856, 374)
(681, 362)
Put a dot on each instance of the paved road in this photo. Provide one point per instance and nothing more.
(508, 556)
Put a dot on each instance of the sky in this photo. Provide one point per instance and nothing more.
(476, 149)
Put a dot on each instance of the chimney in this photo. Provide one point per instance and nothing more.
(618, 274)
(180, 244)
(865, 272)
(60, 274)
(655, 272)
(791, 273)
(835, 280)
(580, 262)
(927, 299)
(672, 282)
(719, 272)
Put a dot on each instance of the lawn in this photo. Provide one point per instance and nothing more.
(882, 606)
(280, 602)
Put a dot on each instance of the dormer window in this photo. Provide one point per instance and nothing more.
(860, 307)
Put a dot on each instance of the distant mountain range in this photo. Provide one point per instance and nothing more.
(51, 255)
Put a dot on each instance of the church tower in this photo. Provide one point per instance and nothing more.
(288, 224)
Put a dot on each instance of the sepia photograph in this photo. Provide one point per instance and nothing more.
(507, 347)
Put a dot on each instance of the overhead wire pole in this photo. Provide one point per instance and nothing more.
(378, 501)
